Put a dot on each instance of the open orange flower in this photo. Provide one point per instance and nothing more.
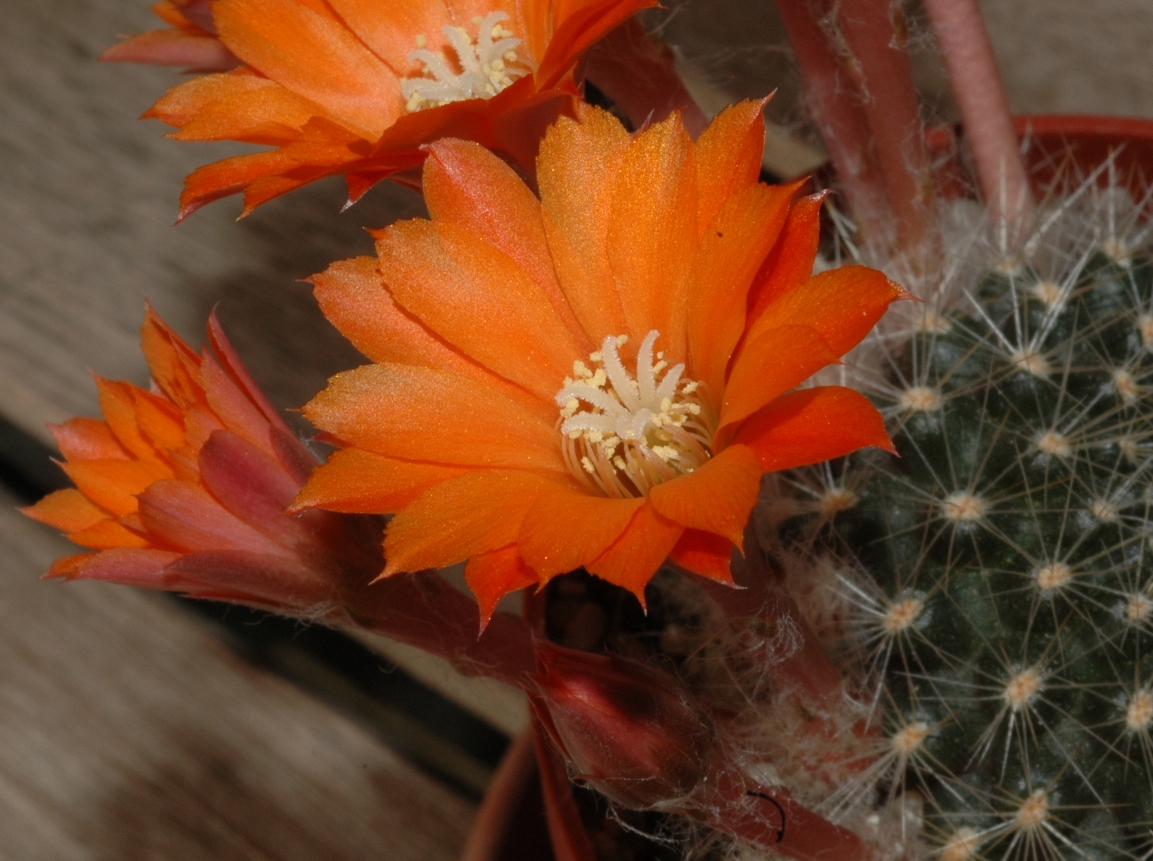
(356, 87)
(598, 377)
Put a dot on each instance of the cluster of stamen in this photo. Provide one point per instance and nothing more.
(486, 64)
(623, 436)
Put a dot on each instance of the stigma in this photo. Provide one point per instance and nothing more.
(623, 435)
(486, 64)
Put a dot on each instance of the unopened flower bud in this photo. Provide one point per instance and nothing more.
(629, 731)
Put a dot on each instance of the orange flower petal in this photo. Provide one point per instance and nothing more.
(360, 482)
(567, 528)
(467, 186)
(791, 262)
(480, 301)
(634, 558)
(68, 510)
(704, 553)
(119, 408)
(246, 108)
(283, 39)
(389, 29)
(87, 439)
(580, 23)
(493, 575)
(407, 412)
(715, 498)
(729, 156)
(174, 365)
(180, 105)
(730, 255)
(172, 48)
(105, 535)
(182, 514)
(474, 513)
(653, 233)
(232, 406)
(352, 296)
(813, 425)
(228, 176)
(575, 201)
(770, 365)
(841, 304)
(159, 420)
(114, 484)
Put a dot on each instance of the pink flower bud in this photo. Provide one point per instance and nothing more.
(631, 732)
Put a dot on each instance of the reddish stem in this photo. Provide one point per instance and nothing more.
(875, 35)
(839, 119)
(570, 840)
(771, 818)
(639, 75)
(423, 610)
(496, 816)
(980, 94)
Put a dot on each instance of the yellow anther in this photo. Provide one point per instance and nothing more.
(636, 431)
(421, 40)
(622, 340)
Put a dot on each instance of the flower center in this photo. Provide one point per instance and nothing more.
(486, 64)
(623, 436)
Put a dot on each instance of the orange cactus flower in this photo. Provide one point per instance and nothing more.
(357, 87)
(597, 377)
(185, 488)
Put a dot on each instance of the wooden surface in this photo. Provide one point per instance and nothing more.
(130, 731)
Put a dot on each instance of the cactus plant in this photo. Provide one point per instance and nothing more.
(1002, 609)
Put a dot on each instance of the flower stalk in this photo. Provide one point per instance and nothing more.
(964, 42)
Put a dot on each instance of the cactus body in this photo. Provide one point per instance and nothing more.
(1008, 623)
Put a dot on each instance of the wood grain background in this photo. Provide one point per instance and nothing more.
(130, 731)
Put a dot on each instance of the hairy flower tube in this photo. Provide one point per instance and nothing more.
(626, 728)
(597, 377)
(356, 87)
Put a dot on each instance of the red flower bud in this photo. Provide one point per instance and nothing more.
(629, 731)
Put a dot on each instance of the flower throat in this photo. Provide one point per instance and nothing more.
(622, 436)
